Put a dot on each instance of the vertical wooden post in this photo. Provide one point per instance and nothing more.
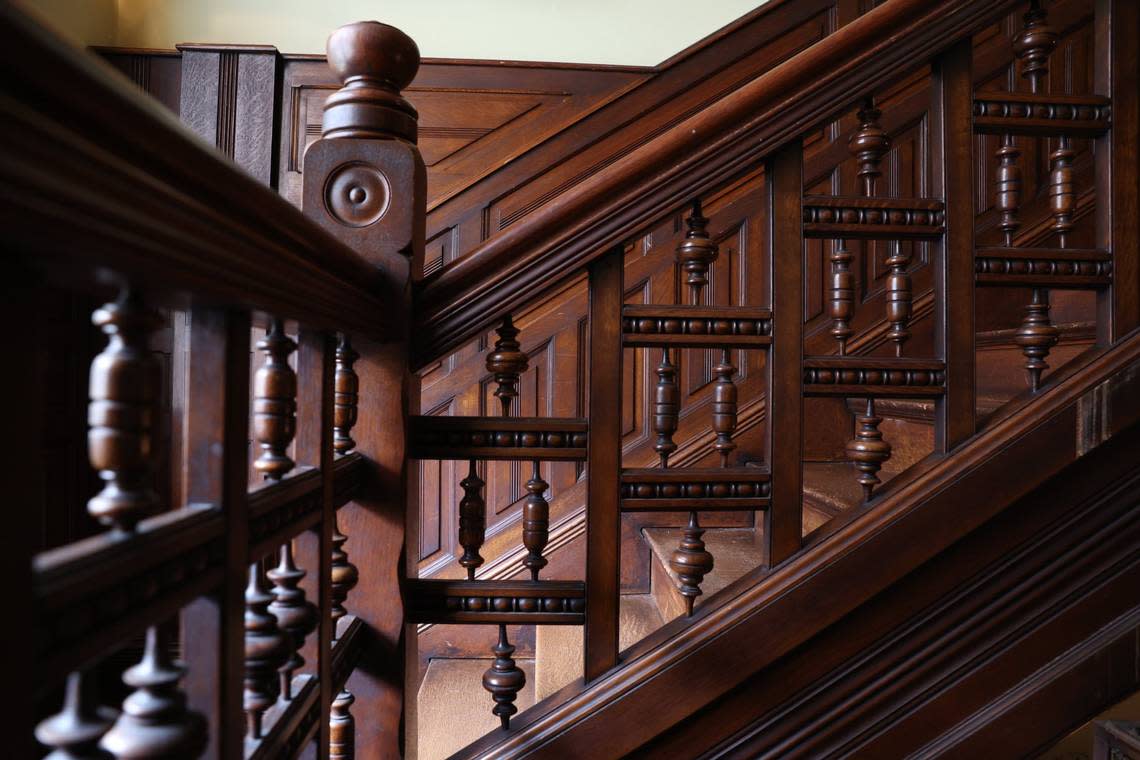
(603, 464)
(315, 362)
(365, 183)
(1117, 69)
(952, 142)
(784, 184)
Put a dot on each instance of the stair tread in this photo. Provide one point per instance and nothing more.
(558, 648)
(453, 707)
(735, 551)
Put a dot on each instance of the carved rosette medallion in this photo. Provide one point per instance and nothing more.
(357, 195)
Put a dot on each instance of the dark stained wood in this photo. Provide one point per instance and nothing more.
(155, 722)
(275, 403)
(296, 616)
(784, 187)
(1033, 115)
(1043, 267)
(228, 97)
(196, 224)
(472, 520)
(603, 529)
(506, 362)
(342, 734)
(75, 731)
(123, 414)
(497, 438)
(1117, 166)
(692, 488)
(267, 648)
(951, 134)
(347, 396)
(859, 218)
(504, 679)
(868, 450)
(844, 568)
(691, 561)
(695, 326)
(871, 377)
(700, 152)
(509, 602)
(1116, 740)
(666, 407)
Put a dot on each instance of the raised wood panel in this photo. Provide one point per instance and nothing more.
(473, 117)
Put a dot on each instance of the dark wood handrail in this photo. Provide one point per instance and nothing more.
(96, 174)
(686, 161)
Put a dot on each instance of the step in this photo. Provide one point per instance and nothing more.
(735, 551)
(558, 648)
(453, 707)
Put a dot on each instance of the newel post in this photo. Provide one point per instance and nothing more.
(365, 183)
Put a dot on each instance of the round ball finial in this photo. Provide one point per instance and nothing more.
(375, 62)
(371, 50)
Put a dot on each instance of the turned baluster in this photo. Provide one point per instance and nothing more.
(724, 407)
(691, 561)
(536, 522)
(275, 403)
(868, 144)
(296, 616)
(344, 577)
(507, 362)
(1008, 186)
(868, 450)
(1062, 190)
(1037, 333)
(266, 649)
(345, 395)
(74, 732)
(342, 727)
(666, 407)
(155, 723)
(124, 388)
(504, 679)
(472, 521)
(697, 251)
(842, 305)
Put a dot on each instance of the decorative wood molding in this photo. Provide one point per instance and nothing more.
(864, 376)
(1035, 115)
(1043, 267)
(687, 326)
(911, 521)
(688, 488)
(859, 218)
(497, 438)
(497, 602)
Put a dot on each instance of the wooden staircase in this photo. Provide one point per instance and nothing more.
(849, 469)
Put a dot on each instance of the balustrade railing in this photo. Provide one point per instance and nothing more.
(239, 593)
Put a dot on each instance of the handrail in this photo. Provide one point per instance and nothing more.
(684, 162)
(96, 174)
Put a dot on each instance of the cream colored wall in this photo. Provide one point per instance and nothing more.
(637, 32)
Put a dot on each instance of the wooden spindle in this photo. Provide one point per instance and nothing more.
(267, 648)
(1034, 44)
(472, 521)
(124, 387)
(275, 403)
(504, 679)
(666, 407)
(296, 616)
(1062, 190)
(344, 576)
(536, 522)
(724, 407)
(507, 362)
(342, 727)
(691, 561)
(1008, 184)
(868, 450)
(868, 144)
(154, 723)
(74, 732)
(1036, 336)
(696, 252)
(345, 396)
(899, 296)
(842, 304)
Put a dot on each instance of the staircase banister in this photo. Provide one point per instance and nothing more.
(683, 162)
(98, 176)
